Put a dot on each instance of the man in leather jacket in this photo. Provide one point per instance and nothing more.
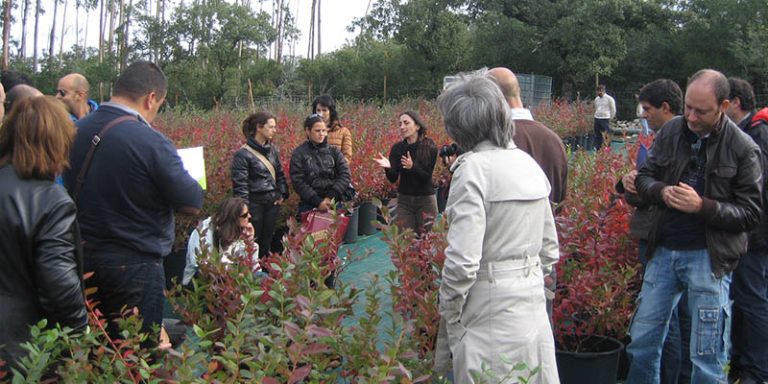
(705, 176)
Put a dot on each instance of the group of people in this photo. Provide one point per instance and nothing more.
(700, 195)
(94, 218)
(699, 192)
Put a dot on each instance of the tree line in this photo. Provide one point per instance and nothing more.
(216, 52)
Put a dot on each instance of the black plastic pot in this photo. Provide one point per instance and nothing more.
(365, 220)
(351, 235)
(599, 366)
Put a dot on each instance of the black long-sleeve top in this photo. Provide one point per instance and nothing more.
(416, 181)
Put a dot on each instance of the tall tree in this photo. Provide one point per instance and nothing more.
(63, 30)
(6, 31)
(311, 47)
(38, 11)
(53, 29)
(24, 14)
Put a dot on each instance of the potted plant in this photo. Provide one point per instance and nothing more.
(598, 275)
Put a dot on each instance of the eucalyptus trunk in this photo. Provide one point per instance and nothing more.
(111, 32)
(63, 30)
(38, 8)
(52, 39)
(311, 47)
(318, 27)
(6, 32)
(24, 15)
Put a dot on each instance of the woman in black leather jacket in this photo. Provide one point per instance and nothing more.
(258, 177)
(40, 263)
(319, 172)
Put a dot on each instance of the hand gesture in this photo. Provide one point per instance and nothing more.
(382, 161)
(406, 161)
(682, 197)
(629, 181)
(248, 232)
(324, 205)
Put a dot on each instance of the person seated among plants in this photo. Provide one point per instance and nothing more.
(412, 161)
(338, 136)
(319, 173)
(228, 235)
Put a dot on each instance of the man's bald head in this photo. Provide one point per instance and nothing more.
(19, 92)
(75, 82)
(510, 87)
(73, 92)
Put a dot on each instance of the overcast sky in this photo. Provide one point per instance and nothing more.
(336, 15)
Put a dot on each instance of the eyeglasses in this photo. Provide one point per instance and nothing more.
(245, 215)
(61, 92)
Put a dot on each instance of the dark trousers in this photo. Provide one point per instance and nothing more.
(601, 125)
(124, 281)
(749, 291)
(263, 219)
(416, 212)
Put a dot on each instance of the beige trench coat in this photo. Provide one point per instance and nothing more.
(501, 242)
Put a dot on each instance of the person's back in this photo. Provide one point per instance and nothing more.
(127, 189)
(40, 275)
(132, 185)
(547, 149)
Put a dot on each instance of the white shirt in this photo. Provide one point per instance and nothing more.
(521, 114)
(236, 249)
(605, 107)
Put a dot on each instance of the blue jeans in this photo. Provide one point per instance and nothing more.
(675, 364)
(750, 316)
(670, 273)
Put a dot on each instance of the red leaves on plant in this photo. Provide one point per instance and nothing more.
(316, 331)
(299, 374)
(598, 273)
(316, 348)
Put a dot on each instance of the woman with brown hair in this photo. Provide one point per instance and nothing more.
(338, 136)
(258, 177)
(412, 161)
(40, 261)
(228, 233)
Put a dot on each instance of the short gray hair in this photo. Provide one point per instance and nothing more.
(474, 109)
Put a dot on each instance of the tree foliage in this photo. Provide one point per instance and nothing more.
(212, 49)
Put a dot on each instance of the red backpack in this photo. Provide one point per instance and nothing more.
(761, 117)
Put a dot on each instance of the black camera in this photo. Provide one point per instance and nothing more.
(450, 150)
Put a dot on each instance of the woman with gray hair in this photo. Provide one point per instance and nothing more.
(501, 243)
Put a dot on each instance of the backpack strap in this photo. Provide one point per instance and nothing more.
(89, 156)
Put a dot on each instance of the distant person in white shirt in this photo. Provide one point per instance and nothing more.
(605, 110)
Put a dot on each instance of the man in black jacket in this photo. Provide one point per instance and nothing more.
(128, 196)
(749, 289)
(705, 176)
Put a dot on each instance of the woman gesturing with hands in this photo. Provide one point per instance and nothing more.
(411, 161)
